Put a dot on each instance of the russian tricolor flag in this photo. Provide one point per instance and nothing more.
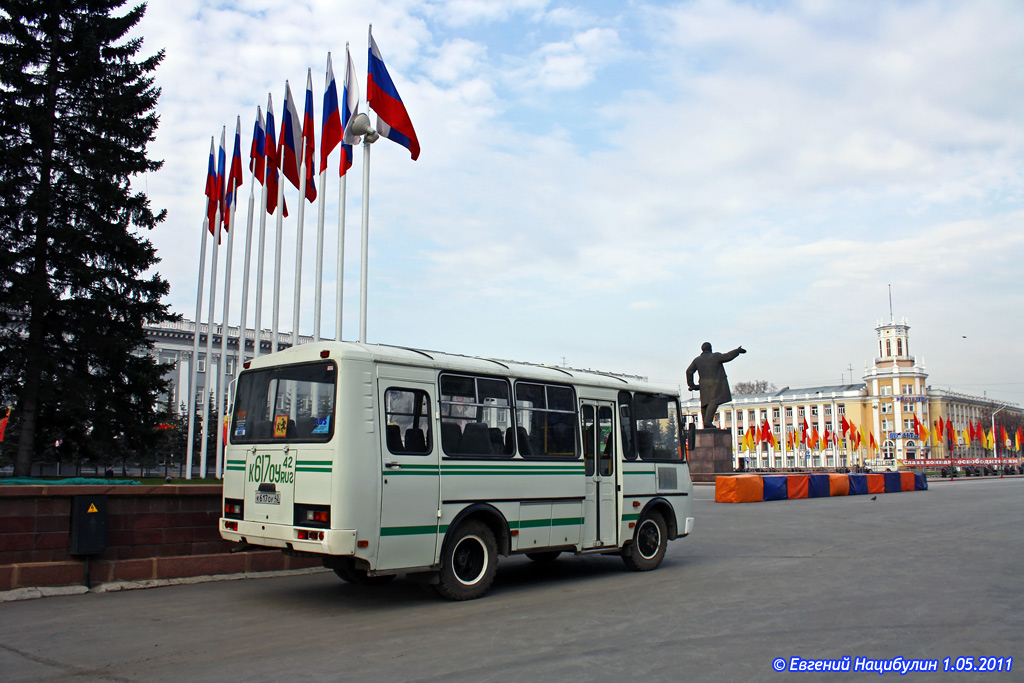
(291, 135)
(330, 134)
(211, 190)
(350, 99)
(234, 180)
(257, 157)
(270, 149)
(309, 138)
(382, 96)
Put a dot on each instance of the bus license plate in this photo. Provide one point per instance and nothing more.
(268, 498)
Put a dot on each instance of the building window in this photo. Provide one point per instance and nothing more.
(752, 415)
(814, 411)
(908, 389)
(886, 408)
(842, 409)
(888, 348)
(201, 365)
(886, 390)
(908, 425)
(775, 413)
(828, 411)
(887, 425)
(789, 413)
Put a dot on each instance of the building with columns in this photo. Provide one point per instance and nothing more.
(173, 345)
(885, 405)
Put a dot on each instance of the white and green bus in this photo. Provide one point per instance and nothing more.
(385, 461)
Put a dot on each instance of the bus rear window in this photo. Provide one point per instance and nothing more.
(286, 404)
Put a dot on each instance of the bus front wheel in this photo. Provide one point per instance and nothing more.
(469, 562)
(649, 543)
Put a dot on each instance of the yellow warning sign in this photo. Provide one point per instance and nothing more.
(92, 508)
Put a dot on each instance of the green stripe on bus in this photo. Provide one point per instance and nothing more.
(630, 518)
(327, 469)
(408, 530)
(558, 521)
(637, 472)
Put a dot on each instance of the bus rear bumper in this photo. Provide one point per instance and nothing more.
(334, 541)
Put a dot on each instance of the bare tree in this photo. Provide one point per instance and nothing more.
(758, 386)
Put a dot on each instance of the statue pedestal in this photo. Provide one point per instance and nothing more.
(712, 454)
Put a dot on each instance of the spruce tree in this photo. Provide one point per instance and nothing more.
(77, 110)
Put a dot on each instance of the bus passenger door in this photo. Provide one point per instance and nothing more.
(600, 505)
(410, 481)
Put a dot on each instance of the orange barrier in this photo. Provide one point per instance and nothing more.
(797, 485)
(876, 483)
(838, 485)
(906, 481)
(743, 488)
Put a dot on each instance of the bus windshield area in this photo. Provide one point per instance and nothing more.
(287, 404)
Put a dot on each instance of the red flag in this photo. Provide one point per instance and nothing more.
(381, 96)
(804, 431)
(3, 422)
(846, 425)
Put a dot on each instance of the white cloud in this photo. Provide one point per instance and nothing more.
(737, 172)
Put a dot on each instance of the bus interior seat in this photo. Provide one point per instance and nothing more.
(476, 439)
(415, 441)
(525, 447)
(305, 426)
(451, 437)
(394, 438)
(497, 440)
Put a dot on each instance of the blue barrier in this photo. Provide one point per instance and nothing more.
(858, 484)
(775, 488)
(818, 486)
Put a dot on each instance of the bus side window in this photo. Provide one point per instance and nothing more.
(627, 425)
(406, 412)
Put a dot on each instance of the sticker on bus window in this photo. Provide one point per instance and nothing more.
(280, 426)
(240, 422)
(323, 425)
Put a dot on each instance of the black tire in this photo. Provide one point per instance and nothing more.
(650, 540)
(469, 561)
(347, 571)
(545, 557)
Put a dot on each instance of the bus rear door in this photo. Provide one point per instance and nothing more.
(410, 475)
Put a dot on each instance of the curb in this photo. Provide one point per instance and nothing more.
(19, 594)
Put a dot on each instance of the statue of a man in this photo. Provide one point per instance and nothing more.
(714, 385)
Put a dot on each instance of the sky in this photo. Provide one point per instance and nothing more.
(606, 185)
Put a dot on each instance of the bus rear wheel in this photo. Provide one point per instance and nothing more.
(468, 563)
(649, 543)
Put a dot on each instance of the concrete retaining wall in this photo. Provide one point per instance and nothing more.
(155, 532)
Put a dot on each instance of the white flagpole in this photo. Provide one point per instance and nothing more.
(301, 151)
(190, 403)
(222, 367)
(209, 328)
(340, 287)
(257, 322)
(280, 230)
(366, 240)
(242, 333)
(321, 206)
(350, 82)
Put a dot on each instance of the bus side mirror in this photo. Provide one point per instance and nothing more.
(691, 436)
